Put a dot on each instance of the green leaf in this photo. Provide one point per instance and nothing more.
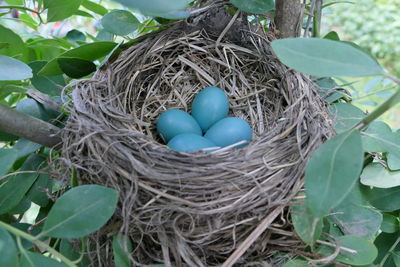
(382, 140)
(50, 85)
(30, 259)
(25, 147)
(61, 9)
(376, 129)
(8, 250)
(170, 9)
(366, 251)
(13, 69)
(7, 158)
(355, 217)
(75, 35)
(346, 116)
(326, 84)
(378, 176)
(29, 229)
(385, 199)
(390, 224)
(120, 22)
(40, 190)
(296, 263)
(393, 161)
(88, 52)
(324, 58)
(17, 49)
(332, 35)
(13, 190)
(254, 6)
(332, 172)
(30, 107)
(122, 246)
(94, 7)
(103, 35)
(83, 14)
(76, 67)
(80, 211)
(307, 227)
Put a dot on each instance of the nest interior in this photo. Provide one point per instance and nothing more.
(195, 209)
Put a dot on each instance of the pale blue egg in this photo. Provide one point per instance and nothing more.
(173, 122)
(229, 131)
(209, 106)
(189, 142)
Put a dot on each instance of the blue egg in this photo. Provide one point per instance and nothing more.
(189, 142)
(229, 131)
(209, 106)
(173, 122)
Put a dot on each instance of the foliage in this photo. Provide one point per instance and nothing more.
(352, 182)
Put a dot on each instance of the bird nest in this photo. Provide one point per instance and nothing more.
(196, 209)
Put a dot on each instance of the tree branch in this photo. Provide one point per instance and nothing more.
(35, 130)
(288, 18)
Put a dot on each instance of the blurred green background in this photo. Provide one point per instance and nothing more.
(375, 26)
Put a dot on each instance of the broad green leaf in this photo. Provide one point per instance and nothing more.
(7, 158)
(75, 35)
(384, 141)
(27, 228)
(332, 35)
(61, 9)
(326, 84)
(13, 69)
(122, 246)
(120, 22)
(390, 224)
(94, 7)
(307, 227)
(103, 35)
(396, 257)
(8, 250)
(25, 147)
(385, 244)
(254, 6)
(385, 199)
(30, 259)
(13, 190)
(345, 116)
(18, 48)
(332, 172)
(171, 9)
(324, 58)
(296, 263)
(21, 207)
(393, 162)
(88, 52)
(50, 85)
(76, 67)
(80, 211)
(376, 128)
(378, 176)
(366, 251)
(30, 107)
(355, 217)
(83, 14)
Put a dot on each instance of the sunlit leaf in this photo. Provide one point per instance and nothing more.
(94, 7)
(16, 48)
(80, 211)
(378, 176)
(120, 22)
(393, 162)
(332, 172)
(325, 58)
(60, 9)
(13, 69)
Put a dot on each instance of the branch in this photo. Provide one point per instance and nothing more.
(35, 130)
(288, 17)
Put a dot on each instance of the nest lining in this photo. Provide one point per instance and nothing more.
(194, 209)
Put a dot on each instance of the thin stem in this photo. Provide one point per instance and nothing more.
(25, 8)
(317, 19)
(38, 243)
